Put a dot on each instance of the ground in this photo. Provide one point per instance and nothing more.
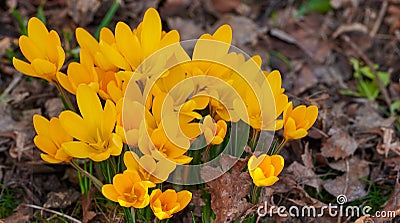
(341, 55)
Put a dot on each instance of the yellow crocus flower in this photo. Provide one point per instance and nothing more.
(94, 130)
(50, 136)
(80, 73)
(128, 190)
(43, 51)
(147, 168)
(297, 121)
(213, 132)
(133, 46)
(265, 169)
(165, 204)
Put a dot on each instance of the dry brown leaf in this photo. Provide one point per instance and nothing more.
(82, 11)
(245, 30)
(285, 184)
(53, 107)
(305, 80)
(367, 119)
(86, 205)
(393, 17)
(229, 191)
(339, 145)
(311, 43)
(187, 28)
(349, 183)
(61, 199)
(224, 6)
(393, 204)
(388, 145)
(21, 214)
(305, 175)
(4, 44)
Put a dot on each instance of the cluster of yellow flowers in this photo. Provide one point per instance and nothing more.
(138, 75)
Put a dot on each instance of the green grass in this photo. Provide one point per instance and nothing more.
(9, 200)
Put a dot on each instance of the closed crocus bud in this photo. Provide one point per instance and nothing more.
(43, 51)
(298, 121)
(165, 204)
(265, 169)
(50, 136)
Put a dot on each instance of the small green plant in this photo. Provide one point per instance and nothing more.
(8, 201)
(367, 86)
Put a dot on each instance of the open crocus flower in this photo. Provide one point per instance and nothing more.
(133, 46)
(165, 204)
(265, 169)
(166, 149)
(94, 129)
(43, 51)
(297, 121)
(213, 132)
(128, 190)
(147, 168)
(50, 136)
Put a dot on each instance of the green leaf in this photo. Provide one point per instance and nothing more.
(395, 106)
(366, 71)
(349, 93)
(321, 6)
(384, 77)
(107, 18)
(22, 25)
(40, 13)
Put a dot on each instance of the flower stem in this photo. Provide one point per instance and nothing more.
(129, 215)
(96, 181)
(280, 146)
(67, 102)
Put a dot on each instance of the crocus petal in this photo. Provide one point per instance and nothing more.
(50, 159)
(25, 68)
(183, 198)
(109, 192)
(89, 105)
(77, 149)
(151, 31)
(75, 126)
(29, 49)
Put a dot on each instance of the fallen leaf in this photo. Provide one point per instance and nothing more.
(86, 205)
(245, 30)
(53, 107)
(339, 145)
(187, 28)
(82, 11)
(388, 145)
(367, 119)
(4, 44)
(349, 184)
(21, 214)
(305, 80)
(393, 204)
(61, 199)
(305, 175)
(224, 6)
(229, 191)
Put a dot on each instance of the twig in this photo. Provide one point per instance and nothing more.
(378, 22)
(54, 212)
(371, 66)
